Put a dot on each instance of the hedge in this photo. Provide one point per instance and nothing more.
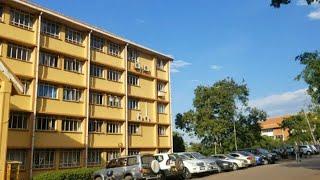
(69, 174)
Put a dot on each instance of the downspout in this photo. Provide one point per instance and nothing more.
(126, 100)
(170, 103)
(87, 100)
(35, 93)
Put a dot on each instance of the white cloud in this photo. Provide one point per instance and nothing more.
(314, 15)
(285, 103)
(215, 67)
(139, 21)
(177, 65)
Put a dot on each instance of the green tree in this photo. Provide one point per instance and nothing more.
(215, 108)
(178, 143)
(278, 3)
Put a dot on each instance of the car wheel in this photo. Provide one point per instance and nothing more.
(265, 162)
(219, 169)
(162, 176)
(128, 178)
(186, 173)
(308, 153)
(98, 178)
(235, 166)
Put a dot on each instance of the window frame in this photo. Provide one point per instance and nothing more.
(22, 156)
(97, 71)
(133, 104)
(94, 157)
(97, 43)
(18, 52)
(113, 127)
(162, 131)
(72, 65)
(114, 101)
(114, 49)
(26, 86)
(161, 108)
(49, 59)
(133, 55)
(95, 126)
(65, 161)
(113, 75)
(74, 125)
(50, 164)
(50, 28)
(95, 97)
(48, 91)
(134, 129)
(49, 124)
(76, 36)
(74, 93)
(16, 116)
(26, 22)
(133, 80)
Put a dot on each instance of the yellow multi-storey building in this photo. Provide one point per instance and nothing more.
(88, 95)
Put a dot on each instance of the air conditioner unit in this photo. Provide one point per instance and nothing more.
(146, 69)
(161, 94)
(139, 117)
(137, 65)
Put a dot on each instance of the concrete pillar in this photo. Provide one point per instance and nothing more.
(5, 94)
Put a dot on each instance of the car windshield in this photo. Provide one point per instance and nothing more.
(184, 157)
(230, 157)
(198, 156)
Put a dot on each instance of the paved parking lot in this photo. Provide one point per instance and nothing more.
(308, 169)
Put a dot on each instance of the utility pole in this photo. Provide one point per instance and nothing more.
(235, 134)
(312, 135)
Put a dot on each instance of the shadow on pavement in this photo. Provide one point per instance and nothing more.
(308, 163)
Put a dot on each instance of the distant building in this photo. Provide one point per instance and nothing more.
(272, 128)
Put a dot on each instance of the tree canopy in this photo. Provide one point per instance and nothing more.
(278, 3)
(178, 143)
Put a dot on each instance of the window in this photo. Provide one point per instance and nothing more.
(113, 128)
(95, 126)
(1, 13)
(113, 49)
(46, 123)
(96, 71)
(162, 131)
(50, 28)
(26, 85)
(134, 129)
(131, 153)
(133, 80)
(114, 101)
(72, 94)
(73, 36)
(70, 124)
(161, 108)
(133, 104)
(112, 154)
(21, 19)
(47, 91)
(48, 59)
(94, 157)
(19, 52)
(43, 159)
(132, 55)
(96, 98)
(18, 120)
(72, 65)
(17, 155)
(97, 43)
(114, 75)
(160, 64)
(161, 86)
(70, 158)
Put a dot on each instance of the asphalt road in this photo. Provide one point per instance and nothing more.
(308, 169)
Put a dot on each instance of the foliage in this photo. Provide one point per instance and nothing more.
(278, 3)
(69, 174)
(178, 143)
(216, 108)
(269, 143)
(311, 73)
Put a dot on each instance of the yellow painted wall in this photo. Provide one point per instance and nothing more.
(146, 139)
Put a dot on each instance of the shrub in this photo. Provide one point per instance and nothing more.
(69, 174)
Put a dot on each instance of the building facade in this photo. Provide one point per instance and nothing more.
(272, 128)
(88, 95)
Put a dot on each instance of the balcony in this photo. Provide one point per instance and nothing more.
(145, 90)
(17, 34)
(19, 138)
(58, 140)
(106, 85)
(59, 45)
(61, 76)
(60, 107)
(102, 140)
(21, 103)
(21, 68)
(163, 118)
(164, 141)
(105, 112)
(104, 58)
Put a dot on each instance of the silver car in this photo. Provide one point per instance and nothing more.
(210, 164)
(130, 167)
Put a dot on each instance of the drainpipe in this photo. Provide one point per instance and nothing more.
(126, 99)
(87, 101)
(170, 103)
(35, 92)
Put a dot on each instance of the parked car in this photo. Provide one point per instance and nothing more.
(237, 163)
(259, 160)
(245, 156)
(171, 165)
(130, 167)
(268, 158)
(224, 165)
(209, 163)
(316, 151)
(305, 150)
(192, 166)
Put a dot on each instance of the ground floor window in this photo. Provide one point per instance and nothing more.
(112, 154)
(43, 159)
(17, 155)
(94, 157)
(133, 152)
(70, 158)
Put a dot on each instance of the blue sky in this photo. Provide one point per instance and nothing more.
(211, 40)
